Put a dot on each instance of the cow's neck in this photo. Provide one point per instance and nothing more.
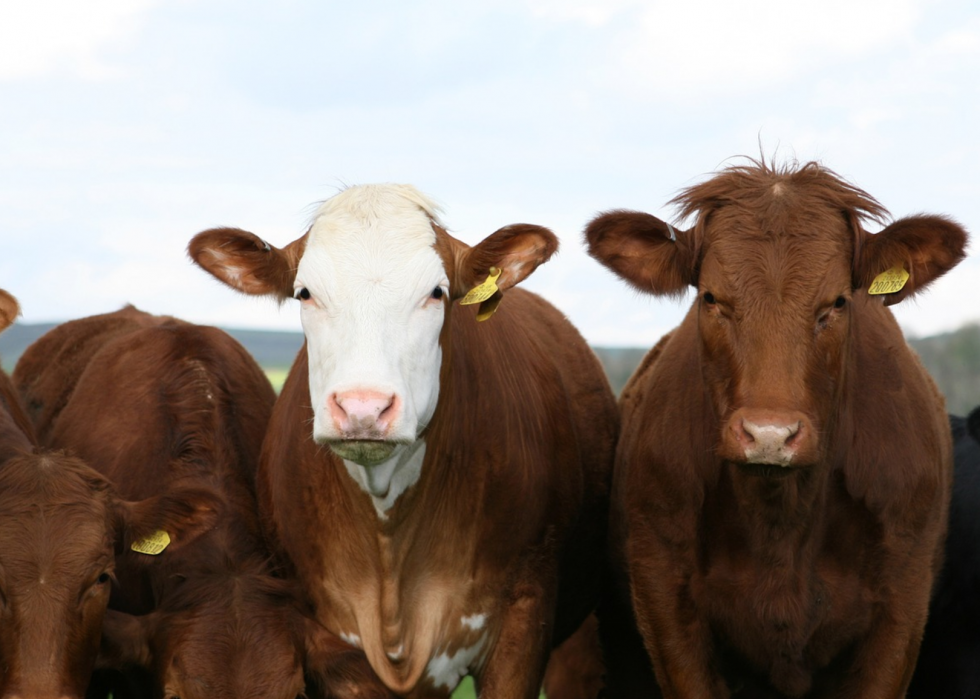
(780, 507)
(386, 483)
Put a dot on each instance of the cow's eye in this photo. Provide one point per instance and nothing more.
(839, 303)
(709, 298)
(437, 293)
(104, 578)
(303, 294)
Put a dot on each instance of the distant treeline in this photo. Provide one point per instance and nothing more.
(953, 358)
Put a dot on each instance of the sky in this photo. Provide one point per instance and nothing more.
(127, 126)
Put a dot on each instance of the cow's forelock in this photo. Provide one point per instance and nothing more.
(372, 322)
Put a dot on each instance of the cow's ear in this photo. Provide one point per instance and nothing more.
(183, 514)
(337, 668)
(515, 251)
(245, 262)
(9, 310)
(924, 246)
(649, 254)
(126, 640)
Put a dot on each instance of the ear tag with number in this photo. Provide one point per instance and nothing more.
(889, 281)
(483, 291)
(152, 545)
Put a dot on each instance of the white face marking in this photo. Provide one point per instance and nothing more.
(474, 622)
(371, 323)
(386, 481)
(351, 639)
(447, 670)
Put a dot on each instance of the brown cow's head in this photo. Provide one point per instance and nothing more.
(782, 266)
(237, 639)
(60, 527)
(374, 274)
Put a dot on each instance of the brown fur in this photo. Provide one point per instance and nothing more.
(60, 525)
(157, 403)
(575, 668)
(811, 580)
(508, 515)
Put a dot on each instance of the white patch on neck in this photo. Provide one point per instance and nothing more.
(474, 622)
(386, 481)
(351, 639)
(448, 670)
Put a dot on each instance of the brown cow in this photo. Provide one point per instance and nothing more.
(439, 484)
(60, 524)
(155, 403)
(784, 466)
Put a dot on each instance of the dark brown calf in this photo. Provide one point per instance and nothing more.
(60, 527)
(784, 467)
(155, 403)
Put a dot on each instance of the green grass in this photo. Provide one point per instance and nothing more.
(277, 377)
(466, 690)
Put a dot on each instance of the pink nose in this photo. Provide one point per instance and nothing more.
(363, 414)
(769, 438)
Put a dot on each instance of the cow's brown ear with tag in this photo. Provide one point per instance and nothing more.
(503, 259)
(168, 521)
(923, 247)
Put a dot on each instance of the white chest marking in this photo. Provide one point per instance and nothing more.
(447, 670)
(387, 481)
(352, 639)
(474, 622)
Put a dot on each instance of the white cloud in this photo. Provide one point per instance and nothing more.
(41, 36)
(593, 13)
(728, 47)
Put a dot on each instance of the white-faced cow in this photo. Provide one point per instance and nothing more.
(784, 465)
(438, 483)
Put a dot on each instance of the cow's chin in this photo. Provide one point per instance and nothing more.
(772, 471)
(366, 452)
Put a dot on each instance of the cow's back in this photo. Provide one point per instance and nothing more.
(48, 371)
(126, 391)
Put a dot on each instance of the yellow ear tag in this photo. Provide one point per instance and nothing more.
(488, 307)
(483, 291)
(889, 281)
(152, 545)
